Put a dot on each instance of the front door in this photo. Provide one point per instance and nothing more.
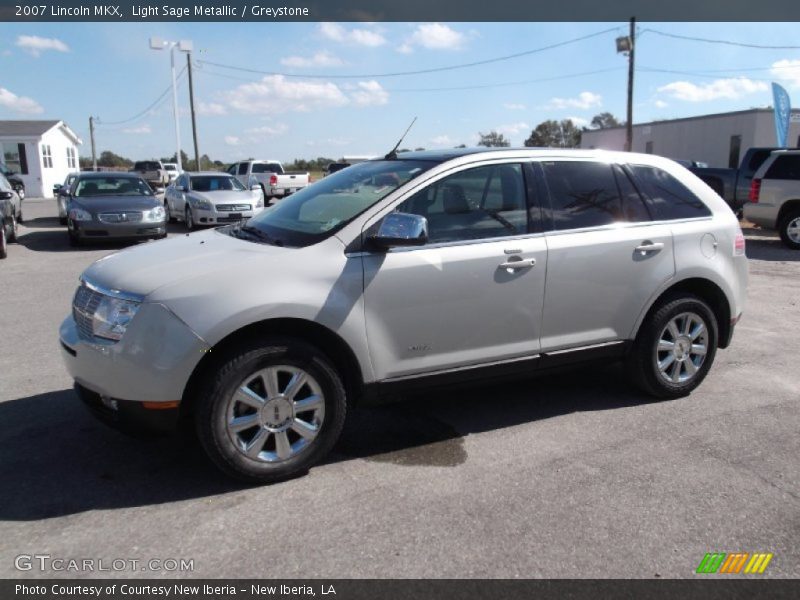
(459, 300)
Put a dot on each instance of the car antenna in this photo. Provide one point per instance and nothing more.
(393, 154)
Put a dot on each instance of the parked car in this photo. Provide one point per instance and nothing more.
(15, 179)
(269, 174)
(775, 196)
(61, 192)
(691, 163)
(118, 206)
(10, 208)
(172, 171)
(153, 172)
(414, 271)
(733, 185)
(211, 198)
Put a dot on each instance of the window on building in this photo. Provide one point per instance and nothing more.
(785, 167)
(669, 198)
(47, 156)
(72, 161)
(648, 148)
(14, 157)
(735, 150)
(479, 203)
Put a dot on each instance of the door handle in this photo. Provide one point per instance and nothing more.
(646, 247)
(518, 264)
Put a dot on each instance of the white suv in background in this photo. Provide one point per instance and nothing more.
(414, 271)
(775, 196)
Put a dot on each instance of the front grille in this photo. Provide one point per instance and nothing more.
(232, 207)
(120, 217)
(84, 304)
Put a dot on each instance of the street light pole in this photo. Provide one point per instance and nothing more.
(191, 106)
(183, 46)
(629, 116)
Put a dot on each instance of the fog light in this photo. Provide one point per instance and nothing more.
(109, 402)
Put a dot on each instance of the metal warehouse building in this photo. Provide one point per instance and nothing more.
(719, 140)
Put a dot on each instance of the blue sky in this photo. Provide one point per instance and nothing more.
(70, 71)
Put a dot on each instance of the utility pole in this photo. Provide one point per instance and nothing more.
(191, 104)
(629, 116)
(91, 136)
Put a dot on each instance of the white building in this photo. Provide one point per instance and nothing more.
(42, 152)
(719, 139)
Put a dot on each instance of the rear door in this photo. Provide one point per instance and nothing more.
(606, 256)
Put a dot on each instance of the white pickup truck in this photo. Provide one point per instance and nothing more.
(269, 174)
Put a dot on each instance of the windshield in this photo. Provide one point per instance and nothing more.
(215, 183)
(267, 168)
(168, 167)
(112, 186)
(315, 212)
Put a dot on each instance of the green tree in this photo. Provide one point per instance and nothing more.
(493, 140)
(555, 134)
(109, 159)
(604, 120)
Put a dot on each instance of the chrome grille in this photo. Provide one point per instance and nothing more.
(232, 207)
(84, 304)
(120, 217)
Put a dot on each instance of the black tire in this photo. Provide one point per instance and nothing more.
(783, 229)
(234, 367)
(20, 218)
(189, 220)
(74, 239)
(3, 241)
(62, 220)
(12, 236)
(170, 218)
(643, 361)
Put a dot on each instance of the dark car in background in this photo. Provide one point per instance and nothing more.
(10, 209)
(113, 206)
(14, 179)
(61, 192)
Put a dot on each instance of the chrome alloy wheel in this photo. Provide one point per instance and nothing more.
(793, 230)
(682, 347)
(275, 413)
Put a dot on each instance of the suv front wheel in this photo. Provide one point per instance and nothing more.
(270, 410)
(675, 347)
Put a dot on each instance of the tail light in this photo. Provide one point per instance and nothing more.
(273, 180)
(738, 245)
(755, 190)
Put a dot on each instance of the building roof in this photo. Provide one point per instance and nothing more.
(34, 129)
(734, 113)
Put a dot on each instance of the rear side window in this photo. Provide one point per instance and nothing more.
(757, 159)
(243, 169)
(784, 167)
(583, 194)
(669, 198)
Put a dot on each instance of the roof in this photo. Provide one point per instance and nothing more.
(34, 129)
(102, 174)
(735, 113)
(445, 154)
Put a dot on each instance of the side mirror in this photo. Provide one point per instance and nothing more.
(401, 229)
(56, 189)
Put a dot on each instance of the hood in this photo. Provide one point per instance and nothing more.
(147, 267)
(227, 196)
(99, 204)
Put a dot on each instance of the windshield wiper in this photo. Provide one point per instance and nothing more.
(254, 232)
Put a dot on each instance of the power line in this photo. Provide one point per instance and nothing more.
(160, 98)
(417, 72)
(725, 42)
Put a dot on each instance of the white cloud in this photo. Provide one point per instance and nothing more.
(143, 129)
(20, 104)
(579, 121)
(35, 45)
(512, 106)
(360, 37)
(585, 100)
(787, 71)
(513, 128)
(434, 36)
(211, 109)
(731, 89)
(443, 141)
(320, 59)
(370, 93)
(661, 104)
(232, 140)
(270, 131)
(275, 94)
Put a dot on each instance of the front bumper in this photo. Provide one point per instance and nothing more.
(128, 416)
(87, 230)
(151, 363)
(215, 217)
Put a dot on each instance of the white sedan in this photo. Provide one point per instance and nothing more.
(211, 198)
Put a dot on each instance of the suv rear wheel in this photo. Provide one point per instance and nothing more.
(675, 347)
(789, 229)
(270, 410)
(3, 241)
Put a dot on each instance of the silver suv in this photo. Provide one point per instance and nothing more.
(411, 271)
(775, 196)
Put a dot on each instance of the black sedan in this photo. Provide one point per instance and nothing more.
(10, 210)
(113, 206)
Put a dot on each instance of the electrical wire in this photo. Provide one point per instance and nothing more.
(149, 108)
(417, 72)
(725, 42)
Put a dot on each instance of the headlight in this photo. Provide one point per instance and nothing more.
(112, 317)
(78, 214)
(203, 204)
(156, 214)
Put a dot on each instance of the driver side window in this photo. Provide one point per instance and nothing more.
(479, 203)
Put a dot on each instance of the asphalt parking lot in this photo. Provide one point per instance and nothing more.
(568, 475)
